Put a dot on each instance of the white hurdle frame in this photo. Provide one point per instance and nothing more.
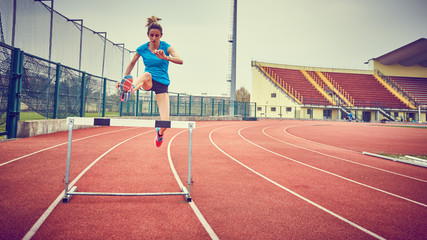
(186, 192)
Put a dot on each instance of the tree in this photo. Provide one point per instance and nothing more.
(242, 95)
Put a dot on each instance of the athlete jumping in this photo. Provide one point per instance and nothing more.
(156, 56)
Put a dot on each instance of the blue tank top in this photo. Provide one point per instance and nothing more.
(154, 65)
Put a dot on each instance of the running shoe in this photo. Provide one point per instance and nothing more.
(126, 84)
(124, 97)
(125, 87)
(159, 138)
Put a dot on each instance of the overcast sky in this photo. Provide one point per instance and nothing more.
(327, 33)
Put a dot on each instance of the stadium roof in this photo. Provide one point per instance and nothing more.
(414, 53)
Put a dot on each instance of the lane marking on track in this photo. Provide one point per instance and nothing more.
(330, 173)
(48, 148)
(294, 193)
(52, 206)
(339, 158)
(193, 206)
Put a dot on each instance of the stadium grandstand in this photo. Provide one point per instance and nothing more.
(395, 90)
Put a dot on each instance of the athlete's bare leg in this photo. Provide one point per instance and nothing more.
(163, 104)
(143, 81)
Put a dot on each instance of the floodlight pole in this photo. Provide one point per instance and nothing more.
(233, 55)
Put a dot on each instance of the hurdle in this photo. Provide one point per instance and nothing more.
(68, 193)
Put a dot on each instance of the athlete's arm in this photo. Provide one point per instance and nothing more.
(173, 56)
(132, 64)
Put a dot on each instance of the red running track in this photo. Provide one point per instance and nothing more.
(268, 179)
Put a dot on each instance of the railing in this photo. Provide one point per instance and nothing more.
(317, 79)
(188, 105)
(35, 88)
(397, 87)
(270, 74)
(320, 86)
(339, 88)
(387, 114)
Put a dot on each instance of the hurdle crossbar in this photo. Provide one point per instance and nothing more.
(126, 123)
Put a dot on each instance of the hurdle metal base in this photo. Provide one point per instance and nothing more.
(186, 196)
(68, 196)
(73, 191)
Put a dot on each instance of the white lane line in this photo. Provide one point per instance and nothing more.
(339, 158)
(48, 148)
(333, 174)
(296, 194)
(193, 206)
(52, 206)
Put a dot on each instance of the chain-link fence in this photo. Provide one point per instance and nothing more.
(5, 63)
(63, 68)
(144, 104)
(37, 29)
(43, 89)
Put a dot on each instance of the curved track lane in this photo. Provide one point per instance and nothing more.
(251, 180)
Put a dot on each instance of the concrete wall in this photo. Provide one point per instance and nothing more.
(38, 127)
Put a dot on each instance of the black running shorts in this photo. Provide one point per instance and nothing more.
(159, 87)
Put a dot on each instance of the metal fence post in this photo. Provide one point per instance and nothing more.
(83, 93)
(255, 110)
(56, 99)
(219, 104)
(104, 97)
(189, 107)
(201, 106)
(213, 107)
(14, 98)
(151, 104)
(121, 109)
(137, 102)
(177, 105)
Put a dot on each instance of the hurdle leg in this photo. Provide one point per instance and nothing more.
(67, 197)
(190, 148)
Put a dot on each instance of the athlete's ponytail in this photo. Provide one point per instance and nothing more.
(153, 23)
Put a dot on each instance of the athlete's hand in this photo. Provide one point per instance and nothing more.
(160, 54)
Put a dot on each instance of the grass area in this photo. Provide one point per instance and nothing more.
(3, 129)
(402, 156)
(26, 116)
(403, 126)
